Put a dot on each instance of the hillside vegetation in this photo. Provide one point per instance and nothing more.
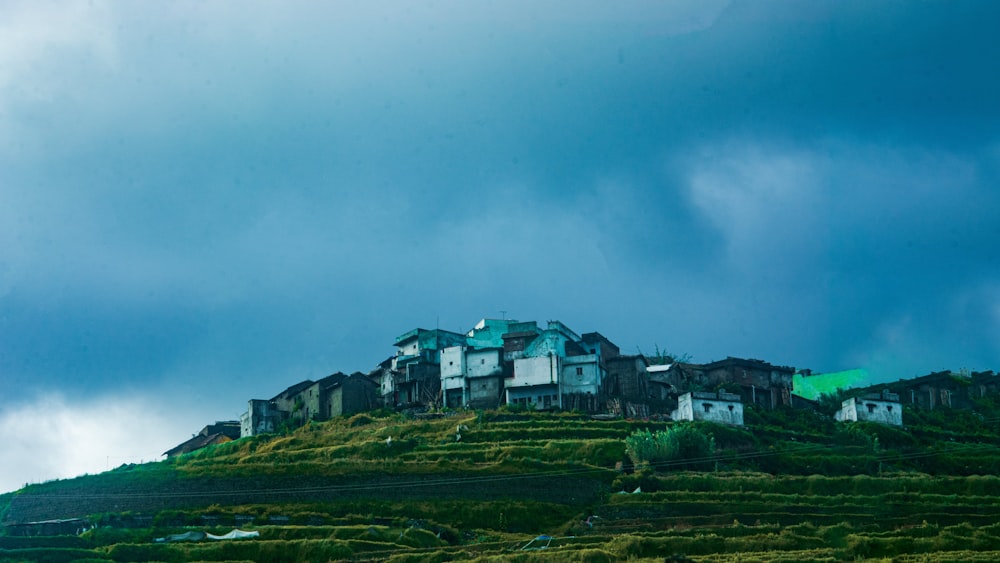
(524, 486)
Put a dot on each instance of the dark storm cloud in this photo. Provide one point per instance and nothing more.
(201, 198)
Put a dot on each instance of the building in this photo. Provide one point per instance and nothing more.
(946, 389)
(627, 386)
(334, 395)
(291, 401)
(472, 377)
(344, 395)
(555, 367)
(218, 433)
(627, 377)
(883, 408)
(416, 367)
(262, 417)
(721, 407)
(759, 383)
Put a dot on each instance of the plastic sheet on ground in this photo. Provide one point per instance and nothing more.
(235, 535)
(198, 536)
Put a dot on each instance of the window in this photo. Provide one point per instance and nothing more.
(731, 407)
(579, 371)
(889, 407)
(871, 407)
(482, 362)
(707, 406)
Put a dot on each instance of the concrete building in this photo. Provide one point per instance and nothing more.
(416, 367)
(555, 367)
(721, 407)
(472, 377)
(262, 417)
(883, 408)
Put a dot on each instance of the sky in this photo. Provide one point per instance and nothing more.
(206, 202)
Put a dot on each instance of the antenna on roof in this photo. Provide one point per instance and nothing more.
(503, 315)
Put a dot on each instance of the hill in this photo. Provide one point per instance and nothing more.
(791, 485)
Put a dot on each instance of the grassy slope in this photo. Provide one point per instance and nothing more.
(790, 484)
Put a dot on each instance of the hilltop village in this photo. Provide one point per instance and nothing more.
(525, 365)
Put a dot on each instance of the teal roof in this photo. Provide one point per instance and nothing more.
(812, 386)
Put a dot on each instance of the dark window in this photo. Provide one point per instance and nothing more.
(708, 407)
(579, 371)
(871, 407)
(731, 407)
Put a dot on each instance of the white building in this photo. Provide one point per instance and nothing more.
(471, 377)
(535, 382)
(884, 409)
(722, 407)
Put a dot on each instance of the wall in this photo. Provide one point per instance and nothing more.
(581, 374)
(485, 392)
(871, 410)
(453, 361)
(723, 408)
(537, 396)
(543, 370)
(262, 417)
(627, 375)
(483, 363)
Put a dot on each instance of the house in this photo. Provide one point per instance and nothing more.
(382, 376)
(627, 386)
(416, 367)
(627, 377)
(555, 367)
(759, 382)
(472, 377)
(218, 433)
(721, 407)
(946, 389)
(261, 417)
(883, 408)
(291, 401)
(342, 395)
(334, 395)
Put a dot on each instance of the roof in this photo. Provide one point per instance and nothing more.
(812, 386)
(294, 389)
(198, 442)
(746, 362)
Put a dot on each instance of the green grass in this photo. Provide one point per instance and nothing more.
(790, 486)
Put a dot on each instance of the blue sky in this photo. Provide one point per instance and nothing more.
(203, 203)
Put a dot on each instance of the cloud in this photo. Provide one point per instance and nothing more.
(53, 437)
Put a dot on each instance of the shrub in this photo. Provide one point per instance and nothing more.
(678, 445)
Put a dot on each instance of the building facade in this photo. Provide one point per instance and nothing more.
(883, 408)
(721, 407)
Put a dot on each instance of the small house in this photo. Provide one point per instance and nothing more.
(721, 407)
(883, 408)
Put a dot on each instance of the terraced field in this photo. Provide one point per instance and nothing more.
(500, 486)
